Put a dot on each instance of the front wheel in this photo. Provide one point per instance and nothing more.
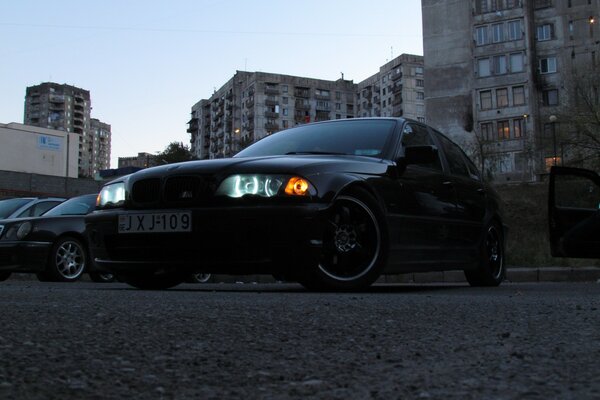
(159, 281)
(491, 270)
(199, 278)
(355, 245)
(67, 261)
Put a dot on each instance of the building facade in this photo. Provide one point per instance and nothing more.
(252, 105)
(68, 108)
(142, 160)
(35, 150)
(499, 72)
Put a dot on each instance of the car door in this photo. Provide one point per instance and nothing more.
(470, 194)
(425, 203)
(574, 212)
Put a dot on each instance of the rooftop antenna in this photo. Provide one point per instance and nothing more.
(392, 52)
(342, 75)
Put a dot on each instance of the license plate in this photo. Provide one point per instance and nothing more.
(155, 222)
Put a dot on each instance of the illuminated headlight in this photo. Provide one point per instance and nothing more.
(264, 186)
(112, 195)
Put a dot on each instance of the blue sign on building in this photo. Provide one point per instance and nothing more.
(49, 142)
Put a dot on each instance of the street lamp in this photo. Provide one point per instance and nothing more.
(552, 120)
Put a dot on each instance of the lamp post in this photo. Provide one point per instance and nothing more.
(552, 120)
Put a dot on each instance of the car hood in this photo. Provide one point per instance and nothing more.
(305, 165)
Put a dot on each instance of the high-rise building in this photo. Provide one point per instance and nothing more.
(499, 75)
(252, 105)
(68, 108)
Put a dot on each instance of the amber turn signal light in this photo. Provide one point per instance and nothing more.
(297, 186)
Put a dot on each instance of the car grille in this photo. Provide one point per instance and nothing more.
(175, 190)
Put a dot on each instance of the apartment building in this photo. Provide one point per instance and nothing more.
(142, 160)
(397, 90)
(68, 108)
(252, 105)
(499, 76)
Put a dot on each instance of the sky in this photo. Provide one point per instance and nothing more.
(147, 62)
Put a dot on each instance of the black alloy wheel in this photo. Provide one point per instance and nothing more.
(199, 278)
(354, 246)
(67, 261)
(491, 270)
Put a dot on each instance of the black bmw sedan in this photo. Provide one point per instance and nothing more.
(52, 245)
(332, 205)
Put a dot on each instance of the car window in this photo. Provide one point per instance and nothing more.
(573, 191)
(454, 157)
(38, 209)
(80, 205)
(350, 137)
(9, 206)
(418, 135)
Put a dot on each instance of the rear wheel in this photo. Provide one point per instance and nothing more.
(158, 281)
(491, 270)
(67, 261)
(355, 245)
(199, 278)
(4, 276)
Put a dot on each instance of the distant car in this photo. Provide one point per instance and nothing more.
(574, 212)
(52, 245)
(23, 207)
(332, 205)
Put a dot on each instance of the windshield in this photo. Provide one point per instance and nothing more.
(80, 205)
(366, 137)
(9, 206)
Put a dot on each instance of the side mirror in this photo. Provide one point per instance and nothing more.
(420, 155)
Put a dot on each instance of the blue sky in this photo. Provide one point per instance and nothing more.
(147, 62)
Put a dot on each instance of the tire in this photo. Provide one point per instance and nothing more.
(4, 276)
(355, 245)
(160, 281)
(67, 261)
(102, 277)
(199, 278)
(491, 270)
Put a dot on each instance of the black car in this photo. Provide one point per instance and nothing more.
(332, 205)
(23, 207)
(574, 212)
(53, 245)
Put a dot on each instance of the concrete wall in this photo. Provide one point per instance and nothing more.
(25, 148)
(19, 184)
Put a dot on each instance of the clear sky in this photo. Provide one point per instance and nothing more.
(147, 62)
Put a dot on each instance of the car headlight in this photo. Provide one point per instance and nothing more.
(112, 195)
(17, 231)
(264, 186)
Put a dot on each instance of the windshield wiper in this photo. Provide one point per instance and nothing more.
(316, 152)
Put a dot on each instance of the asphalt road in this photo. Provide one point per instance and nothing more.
(216, 341)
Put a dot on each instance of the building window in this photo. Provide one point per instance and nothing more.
(419, 70)
(338, 95)
(500, 65)
(487, 131)
(503, 130)
(421, 119)
(420, 83)
(548, 65)
(420, 96)
(518, 95)
(550, 97)
(338, 106)
(481, 35)
(544, 32)
(518, 128)
(485, 99)
(284, 111)
(497, 33)
(483, 67)
(284, 100)
(501, 97)
(284, 88)
(516, 62)
(514, 30)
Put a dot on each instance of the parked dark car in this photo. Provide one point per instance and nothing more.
(23, 207)
(574, 212)
(52, 245)
(332, 205)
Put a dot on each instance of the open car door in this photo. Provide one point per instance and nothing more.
(574, 212)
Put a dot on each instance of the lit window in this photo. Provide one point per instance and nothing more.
(503, 130)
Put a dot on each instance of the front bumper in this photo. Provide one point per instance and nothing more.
(230, 240)
(23, 256)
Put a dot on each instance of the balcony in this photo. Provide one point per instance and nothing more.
(397, 100)
(55, 98)
(271, 90)
(397, 88)
(271, 102)
(302, 119)
(322, 116)
(270, 126)
(301, 105)
(397, 112)
(302, 92)
(229, 95)
(249, 103)
(396, 75)
(56, 107)
(322, 96)
(271, 114)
